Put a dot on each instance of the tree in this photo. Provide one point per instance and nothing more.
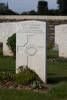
(62, 4)
(32, 12)
(53, 12)
(4, 10)
(42, 8)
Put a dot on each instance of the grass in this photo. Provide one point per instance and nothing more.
(57, 72)
(57, 92)
(52, 53)
(7, 63)
(6, 94)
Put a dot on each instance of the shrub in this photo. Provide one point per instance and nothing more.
(11, 42)
(6, 76)
(37, 84)
(50, 45)
(26, 76)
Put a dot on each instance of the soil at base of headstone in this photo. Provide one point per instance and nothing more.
(11, 85)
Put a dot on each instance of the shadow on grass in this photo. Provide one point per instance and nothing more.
(54, 80)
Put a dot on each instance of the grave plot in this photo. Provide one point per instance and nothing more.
(31, 47)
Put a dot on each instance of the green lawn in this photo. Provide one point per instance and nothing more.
(52, 53)
(7, 63)
(57, 72)
(57, 92)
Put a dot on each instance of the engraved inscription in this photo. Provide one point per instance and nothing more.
(31, 41)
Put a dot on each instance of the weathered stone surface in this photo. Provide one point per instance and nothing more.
(31, 47)
(51, 20)
(16, 17)
(61, 39)
(2, 33)
(6, 30)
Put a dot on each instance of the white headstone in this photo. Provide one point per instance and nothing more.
(31, 47)
(2, 32)
(7, 30)
(61, 39)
